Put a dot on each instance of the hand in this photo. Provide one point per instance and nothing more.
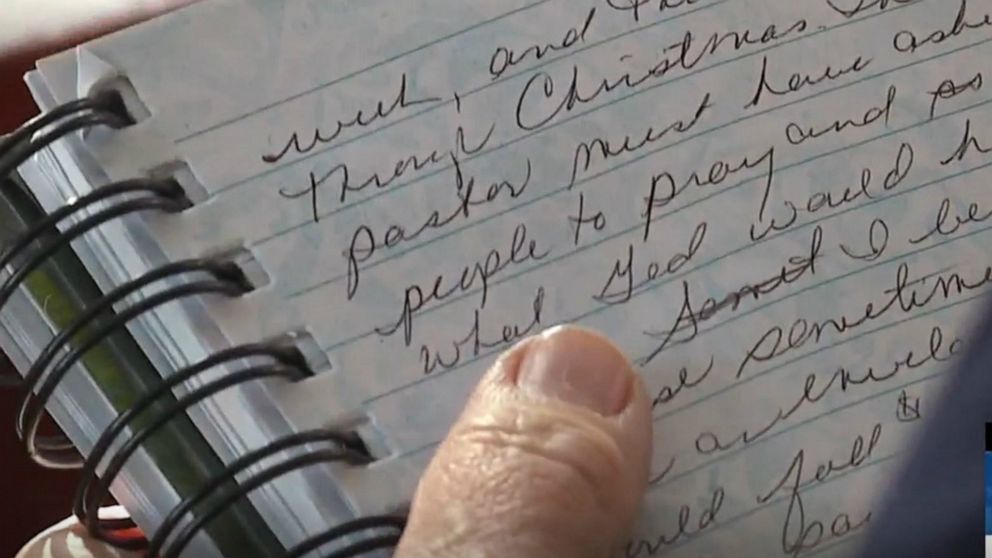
(549, 459)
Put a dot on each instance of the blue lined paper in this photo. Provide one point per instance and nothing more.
(823, 191)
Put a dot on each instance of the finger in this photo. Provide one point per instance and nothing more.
(34, 24)
(549, 458)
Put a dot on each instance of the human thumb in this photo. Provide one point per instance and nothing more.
(549, 458)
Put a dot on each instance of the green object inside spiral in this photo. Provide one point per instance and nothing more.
(62, 288)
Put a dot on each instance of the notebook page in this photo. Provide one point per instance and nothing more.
(775, 208)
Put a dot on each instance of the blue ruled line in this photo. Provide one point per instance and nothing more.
(361, 71)
(432, 108)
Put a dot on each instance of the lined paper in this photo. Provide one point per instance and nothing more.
(778, 209)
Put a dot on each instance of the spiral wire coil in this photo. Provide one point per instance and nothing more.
(152, 411)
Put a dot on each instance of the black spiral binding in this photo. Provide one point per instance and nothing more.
(158, 407)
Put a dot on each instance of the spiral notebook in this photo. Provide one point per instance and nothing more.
(778, 209)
